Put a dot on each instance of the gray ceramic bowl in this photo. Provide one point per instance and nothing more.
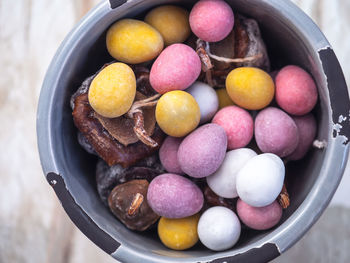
(290, 36)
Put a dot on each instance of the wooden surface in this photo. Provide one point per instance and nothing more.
(33, 225)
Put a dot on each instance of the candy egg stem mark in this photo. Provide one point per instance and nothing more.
(283, 198)
(135, 204)
(136, 114)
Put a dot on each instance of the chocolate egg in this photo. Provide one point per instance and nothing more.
(201, 153)
(206, 98)
(223, 181)
(260, 180)
(174, 196)
(219, 228)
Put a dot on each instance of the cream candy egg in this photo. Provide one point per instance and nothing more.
(223, 181)
(219, 228)
(260, 180)
(206, 98)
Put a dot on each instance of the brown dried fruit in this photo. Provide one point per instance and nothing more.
(244, 46)
(225, 48)
(122, 128)
(107, 177)
(283, 198)
(212, 199)
(128, 202)
(103, 143)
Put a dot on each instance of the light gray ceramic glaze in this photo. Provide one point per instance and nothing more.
(291, 37)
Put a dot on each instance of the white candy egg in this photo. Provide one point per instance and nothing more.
(219, 228)
(206, 98)
(223, 181)
(260, 180)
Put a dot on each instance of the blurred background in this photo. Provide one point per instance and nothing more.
(33, 225)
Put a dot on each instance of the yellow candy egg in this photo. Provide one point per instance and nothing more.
(179, 233)
(172, 22)
(177, 113)
(224, 98)
(251, 88)
(113, 90)
(133, 41)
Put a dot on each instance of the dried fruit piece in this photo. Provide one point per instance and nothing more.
(103, 143)
(212, 199)
(224, 48)
(283, 198)
(128, 202)
(122, 128)
(243, 47)
(107, 177)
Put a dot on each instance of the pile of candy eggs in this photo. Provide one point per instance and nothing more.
(209, 130)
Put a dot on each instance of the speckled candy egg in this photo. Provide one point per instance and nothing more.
(276, 132)
(307, 128)
(296, 91)
(224, 98)
(113, 90)
(259, 218)
(168, 154)
(219, 228)
(211, 20)
(176, 68)
(260, 180)
(174, 196)
(202, 151)
(178, 233)
(238, 125)
(223, 181)
(133, 41)
(206, 98)
(250, 88)
(171, 21)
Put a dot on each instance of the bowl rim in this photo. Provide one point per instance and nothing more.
(280, 239)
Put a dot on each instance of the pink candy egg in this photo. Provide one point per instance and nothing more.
(201, 153)
(176, 68)
(307, 127)
(276, 132)
(238, 125)
(168, 155)
(259, 218)
(211, 20)
(296, 91)
(174, 196)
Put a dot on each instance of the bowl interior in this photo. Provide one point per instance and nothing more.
(285, 45)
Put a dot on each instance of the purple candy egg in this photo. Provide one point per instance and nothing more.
(174, 196)
(276, 132)
(307, 128)
(168, 155)
(201, 153)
